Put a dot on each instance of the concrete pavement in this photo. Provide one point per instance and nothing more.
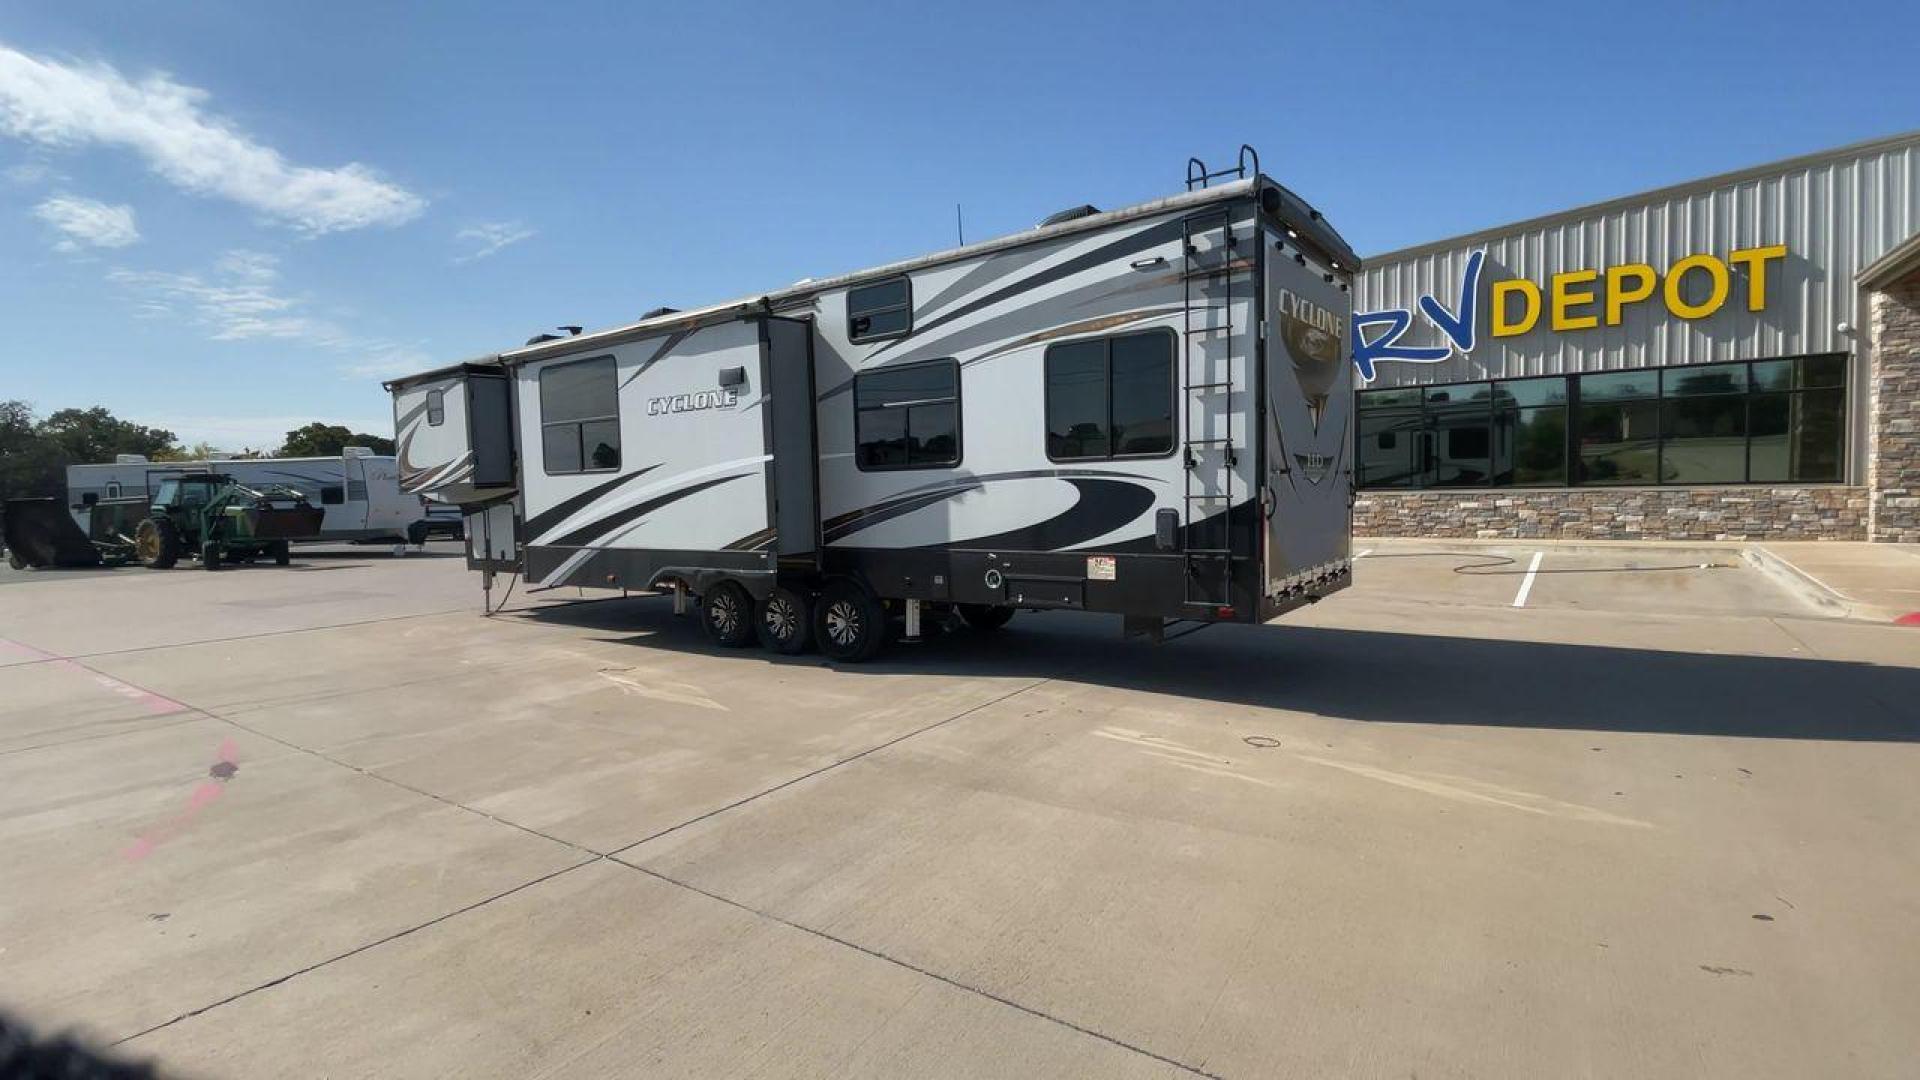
(1654, 820)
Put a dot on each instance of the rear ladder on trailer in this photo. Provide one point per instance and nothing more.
(1211, 260)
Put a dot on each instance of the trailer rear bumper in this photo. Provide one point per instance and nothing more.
(1304, 587)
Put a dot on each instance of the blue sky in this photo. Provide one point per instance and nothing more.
(232, 218)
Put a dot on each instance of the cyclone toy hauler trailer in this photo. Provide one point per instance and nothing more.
(359, 490)
(1143, 412)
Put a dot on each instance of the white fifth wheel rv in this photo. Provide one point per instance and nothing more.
(359, 490)
(1143, 412)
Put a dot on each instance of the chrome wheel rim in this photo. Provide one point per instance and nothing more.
(783, 622)
(726, 612)
(843, 622)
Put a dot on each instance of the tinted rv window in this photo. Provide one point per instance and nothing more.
(332, 495)
(880, 311)
(580, 417)
(907, 417)
(436, 408)
(1110, 397)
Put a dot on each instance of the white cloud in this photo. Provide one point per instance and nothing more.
(487, 237)
(58, 104)
(242, 299)
(88, 222)
(29, 173)
(239, 301)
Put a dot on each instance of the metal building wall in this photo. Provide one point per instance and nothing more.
(1835, 212)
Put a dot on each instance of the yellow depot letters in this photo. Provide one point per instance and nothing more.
(1573, 304)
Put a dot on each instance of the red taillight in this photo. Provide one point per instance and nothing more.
(1224, 611)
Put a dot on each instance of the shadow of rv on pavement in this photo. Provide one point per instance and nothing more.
(1377, 676)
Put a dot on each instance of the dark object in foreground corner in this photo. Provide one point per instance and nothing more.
(22, 1057)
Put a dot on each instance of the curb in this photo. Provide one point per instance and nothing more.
(1808, 588)
(1690, 550)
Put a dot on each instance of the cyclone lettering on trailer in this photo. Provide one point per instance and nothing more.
(693, 402)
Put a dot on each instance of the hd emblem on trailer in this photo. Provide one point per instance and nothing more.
(1314, 465)
(694, 402)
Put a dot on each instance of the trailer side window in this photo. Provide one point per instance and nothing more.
(1110, 397)
(907, 417)
(436, 408)
(878, 311)
(580, 417)
(332, 495)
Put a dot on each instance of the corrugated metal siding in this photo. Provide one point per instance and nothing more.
(1835, 215)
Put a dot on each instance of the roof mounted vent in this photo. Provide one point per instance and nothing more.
(1070, 214)
(571, 331)
(654, 313)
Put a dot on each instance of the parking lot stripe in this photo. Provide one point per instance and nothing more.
(1526, 583)
(1364, 553)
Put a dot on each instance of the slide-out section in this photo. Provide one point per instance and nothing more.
(453, 433)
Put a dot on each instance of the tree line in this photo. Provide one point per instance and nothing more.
(35, 451)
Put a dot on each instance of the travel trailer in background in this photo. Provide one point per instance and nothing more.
(359, 490)
(1144, 412)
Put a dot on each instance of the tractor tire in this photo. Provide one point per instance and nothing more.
(849, 624)
(282, 553)
(210, 556)
(985, 616)
(726, 611)
(156, 543)
(784, 622)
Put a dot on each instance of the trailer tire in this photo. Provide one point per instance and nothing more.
(726, 611)
(985, 616)
(209, 556)
(784, 622)
(849, 624)
(156, 543)
(14, 560)
(282, 553)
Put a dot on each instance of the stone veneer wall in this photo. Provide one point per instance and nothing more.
(1893, 470)
(1717, 513)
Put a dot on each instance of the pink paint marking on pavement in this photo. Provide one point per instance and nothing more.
(157, 704)
(226, 763)
(1911, 618)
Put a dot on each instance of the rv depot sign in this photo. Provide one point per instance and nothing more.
(1692, 288)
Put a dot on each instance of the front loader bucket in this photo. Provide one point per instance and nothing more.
(42, 533)
(285, 522)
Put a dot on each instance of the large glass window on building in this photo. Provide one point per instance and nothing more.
(1530, 432)
(1760, 422)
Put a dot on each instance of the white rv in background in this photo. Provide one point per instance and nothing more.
(359, 491)
(1144, 411)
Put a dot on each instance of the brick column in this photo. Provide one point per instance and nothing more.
(1893, 469)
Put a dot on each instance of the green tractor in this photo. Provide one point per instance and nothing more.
(209, 515)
